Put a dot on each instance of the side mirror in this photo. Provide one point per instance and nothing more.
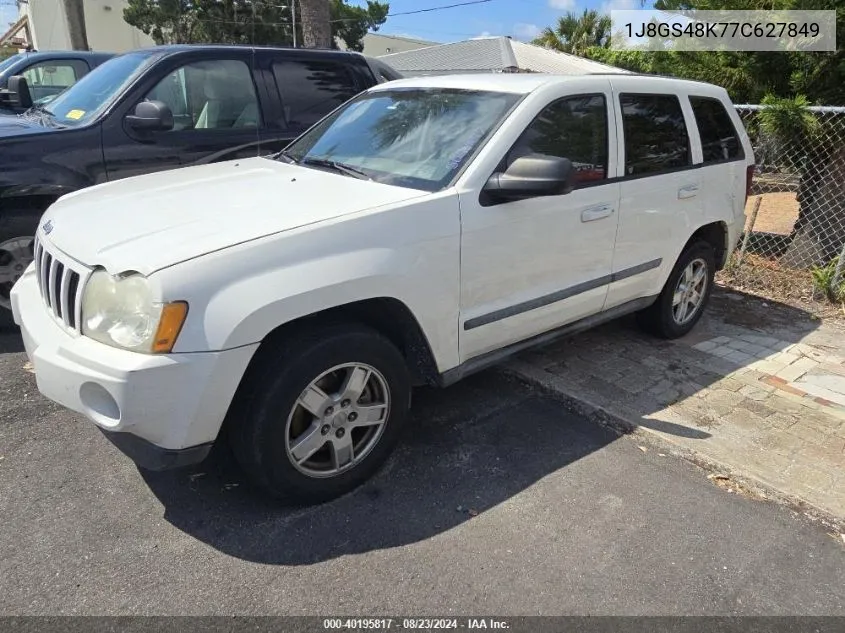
(531, 176)
(151, 116)
(16, 94)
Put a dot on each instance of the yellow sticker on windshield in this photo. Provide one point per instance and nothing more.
(75, 114)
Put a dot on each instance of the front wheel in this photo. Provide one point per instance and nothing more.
(685, 295)
(323, 414)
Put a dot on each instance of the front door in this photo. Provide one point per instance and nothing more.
(216, 113)
(529, 266)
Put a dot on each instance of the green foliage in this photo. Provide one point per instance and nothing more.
(788, 119)
(825, 282)
(260, 22)
(6, 52)
(576, 34)
(351, 23)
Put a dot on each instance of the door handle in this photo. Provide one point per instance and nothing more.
(596, 213)
(690, 191)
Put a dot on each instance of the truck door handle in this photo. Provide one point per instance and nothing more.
(690, 191)
(596, 213)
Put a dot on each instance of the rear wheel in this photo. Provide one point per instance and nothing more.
(685, 295)
(321, 415)
(16, 254)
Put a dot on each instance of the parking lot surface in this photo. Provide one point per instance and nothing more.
(498, 501)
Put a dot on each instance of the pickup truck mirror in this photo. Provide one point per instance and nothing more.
(16, 94)
(531, 176)
(151, 116)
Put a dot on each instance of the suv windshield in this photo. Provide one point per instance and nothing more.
(411, 137)
(82, 101)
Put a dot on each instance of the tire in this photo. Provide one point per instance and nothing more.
(661, 318)
(16, 243)
(270, 415)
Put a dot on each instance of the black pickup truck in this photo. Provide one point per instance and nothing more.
(162, 108)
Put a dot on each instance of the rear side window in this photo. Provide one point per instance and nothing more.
(573, 128)
(311, 89)
(719, 139)
(656, 138)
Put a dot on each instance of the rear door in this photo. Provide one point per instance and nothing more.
(217, 113)
(660, 188)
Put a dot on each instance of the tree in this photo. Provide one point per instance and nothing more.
(351, 23)
(576, 34)
(75, 17)
(260, 22)
(316, 23)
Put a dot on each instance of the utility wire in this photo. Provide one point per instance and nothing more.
(447, 6)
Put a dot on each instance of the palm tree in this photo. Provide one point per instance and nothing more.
(316, 23)
(576, 33)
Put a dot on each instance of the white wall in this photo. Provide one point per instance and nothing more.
(107, 30)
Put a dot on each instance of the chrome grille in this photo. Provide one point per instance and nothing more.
(60, 283)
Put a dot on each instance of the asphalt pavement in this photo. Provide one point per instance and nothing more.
(498, 501)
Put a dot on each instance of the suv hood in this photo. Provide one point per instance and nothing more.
(149, 222)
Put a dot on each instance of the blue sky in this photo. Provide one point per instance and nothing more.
(521, 19)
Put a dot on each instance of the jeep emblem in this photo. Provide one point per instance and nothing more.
(48, 227)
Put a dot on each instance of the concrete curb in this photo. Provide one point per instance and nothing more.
(757, 487)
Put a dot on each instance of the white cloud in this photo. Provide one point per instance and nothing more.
(563, 5)
(483, 35)
(525, 31)
(619, 5)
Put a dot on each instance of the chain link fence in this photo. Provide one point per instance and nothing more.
(793, 247)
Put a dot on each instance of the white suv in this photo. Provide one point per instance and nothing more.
(424, 230)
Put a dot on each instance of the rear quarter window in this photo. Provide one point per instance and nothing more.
(719, 138)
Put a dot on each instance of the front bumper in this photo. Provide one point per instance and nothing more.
(162, 411)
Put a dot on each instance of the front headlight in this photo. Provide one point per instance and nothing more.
(122, 312)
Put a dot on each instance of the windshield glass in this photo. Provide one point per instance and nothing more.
(9, 62)
(418, 138)
(96, 90)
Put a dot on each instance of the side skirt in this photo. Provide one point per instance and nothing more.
(495, 357)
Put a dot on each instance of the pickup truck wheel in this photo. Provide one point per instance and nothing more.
(324, 414)
(685, 295)
(15, 256)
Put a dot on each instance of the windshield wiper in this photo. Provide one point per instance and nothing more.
(342, 168)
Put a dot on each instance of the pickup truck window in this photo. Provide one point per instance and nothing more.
(213, 94)
(95, 91)
(48, 78)
(416, 138)
(311, 89)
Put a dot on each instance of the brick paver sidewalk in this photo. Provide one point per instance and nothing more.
(757, 386)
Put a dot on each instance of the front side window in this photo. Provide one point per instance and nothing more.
(573, 128)
(92, 94)
(656, 137)
(214, 94)
(719, 139)
(311, 89)
(417, 138)
(49, 78)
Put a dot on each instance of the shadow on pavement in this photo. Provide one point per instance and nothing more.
(10, 336)
(465, 451)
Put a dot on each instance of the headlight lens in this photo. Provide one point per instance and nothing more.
(122, 312)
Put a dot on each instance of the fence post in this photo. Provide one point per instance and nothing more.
(837, 274)
(748, 231)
